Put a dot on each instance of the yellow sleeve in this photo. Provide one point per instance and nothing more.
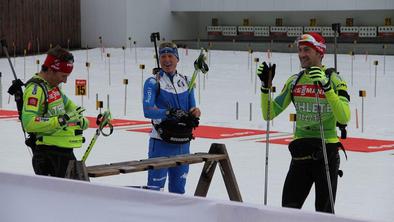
(280, 103)
(339, 99)
(33, 119)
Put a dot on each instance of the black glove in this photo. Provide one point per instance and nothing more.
(263, 72)
(177, 114)
(200, 64)
(319, 77)
(193, 121)
(74, 116)
(16, 87)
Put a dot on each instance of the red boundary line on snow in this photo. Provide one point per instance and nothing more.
(216, 132)
(351, 144)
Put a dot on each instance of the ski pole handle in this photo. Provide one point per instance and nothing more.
(5, 50)
(104, 120)
(269, 76)
(153, 37)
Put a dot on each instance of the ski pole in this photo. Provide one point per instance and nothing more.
(102, 121)
(193, 80)
(267, 138)
(199, 65)
(336, 27)
(153, 37)
(15, 88)
(323, 143)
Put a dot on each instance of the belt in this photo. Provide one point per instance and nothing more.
(309, 157)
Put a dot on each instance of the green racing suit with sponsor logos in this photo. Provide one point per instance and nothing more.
(40, 116)
(334, 106)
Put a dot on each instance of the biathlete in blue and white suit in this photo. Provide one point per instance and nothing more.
(172, 108)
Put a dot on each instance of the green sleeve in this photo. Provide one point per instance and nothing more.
(280, 102)
(69, 105)
(338, 103)
(33, 119)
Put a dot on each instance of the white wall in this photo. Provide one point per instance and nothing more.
(45, 199)
(117, 20)
(279, 5)
(103, 18)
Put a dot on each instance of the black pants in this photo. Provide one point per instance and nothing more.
(51, 160)
(307, 167)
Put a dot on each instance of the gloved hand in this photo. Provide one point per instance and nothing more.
(177, 114)
(199, 64)
(263, 72)
(193, 121)
(318, 76)
(74, 116)
(84, 123)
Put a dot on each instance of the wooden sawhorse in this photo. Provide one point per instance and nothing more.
(217, 154)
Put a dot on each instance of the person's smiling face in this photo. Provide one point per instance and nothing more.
(309, 56)
(168, 62)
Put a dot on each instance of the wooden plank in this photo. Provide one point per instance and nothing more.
(190, 161)
(76, 40)
(148, 166)
(126, 163)
(228, 174)
(3, 22)
(226, 170)
(28, 8)
(103, 172)
(133, 169)
(11, 27)
(212, 157)
(152, 163)
(205, 179)
(162, 164)
(19, 27)
(49, 21)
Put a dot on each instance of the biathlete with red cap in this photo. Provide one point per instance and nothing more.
(307, 166)
(53, 121)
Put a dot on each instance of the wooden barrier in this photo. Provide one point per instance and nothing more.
(217, 155)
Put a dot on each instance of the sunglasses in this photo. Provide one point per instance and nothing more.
(310, 39)
(167, 45)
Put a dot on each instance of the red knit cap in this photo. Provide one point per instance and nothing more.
(313, 40)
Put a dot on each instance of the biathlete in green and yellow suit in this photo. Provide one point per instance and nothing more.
(307, 165)
(55, 122)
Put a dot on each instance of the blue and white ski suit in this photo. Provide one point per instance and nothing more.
(173, 93)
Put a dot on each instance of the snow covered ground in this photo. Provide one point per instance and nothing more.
(364, 192)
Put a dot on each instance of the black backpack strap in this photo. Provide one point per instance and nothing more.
(41, 84)
(294, 83)
(329, 71)
(342, 127)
